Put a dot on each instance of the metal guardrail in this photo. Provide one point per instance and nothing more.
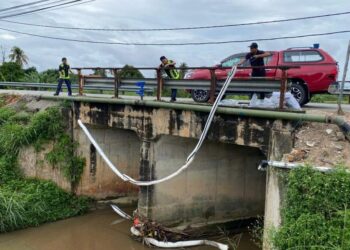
(237, 85)
(334, 88)
(249, 85)
(118, 84)
(73, 86)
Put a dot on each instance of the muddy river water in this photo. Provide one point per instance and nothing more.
(99, 230)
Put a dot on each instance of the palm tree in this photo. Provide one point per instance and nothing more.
(18, 56)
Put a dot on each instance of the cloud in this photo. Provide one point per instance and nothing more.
(7, 37)
(159, 13)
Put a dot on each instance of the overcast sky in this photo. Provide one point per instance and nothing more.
(44, 53)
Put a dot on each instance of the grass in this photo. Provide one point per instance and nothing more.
(26, 202)
(316, 212)
(326, 98)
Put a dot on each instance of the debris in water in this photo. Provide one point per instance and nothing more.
(329, 131)
(310, 144)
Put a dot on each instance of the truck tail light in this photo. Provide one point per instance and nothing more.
(332, 77)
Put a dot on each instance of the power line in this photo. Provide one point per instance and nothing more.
(59, 7)
(36, 10)
(177, 44)
(182, 28)
(30, 8)
(23, 5)
(66, 6)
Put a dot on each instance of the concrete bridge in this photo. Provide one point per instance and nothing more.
(149, 140)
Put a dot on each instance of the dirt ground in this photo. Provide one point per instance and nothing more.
(320, 144)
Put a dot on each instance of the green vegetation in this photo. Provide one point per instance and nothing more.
(10, 71)
(183, 70)
(18, 56)
(129, 71)
(61, 156)
(29, 202)
(316, 214)
(326, 98)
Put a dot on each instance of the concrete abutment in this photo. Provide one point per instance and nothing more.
(222, 184)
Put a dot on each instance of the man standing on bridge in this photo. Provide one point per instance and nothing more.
(256, 59)
(64, 71)
(169, 67)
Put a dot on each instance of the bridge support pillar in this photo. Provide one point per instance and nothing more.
(146, 174)
(281, 142)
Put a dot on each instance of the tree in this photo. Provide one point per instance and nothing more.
(32, 76)
(30, 70)
(18, 56)
(128, 71)
(183, 70)
(11, 72)
(100, 72)
(49, 76)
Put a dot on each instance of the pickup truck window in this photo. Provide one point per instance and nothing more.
(266, 61)
(302, 56)
(230, 62)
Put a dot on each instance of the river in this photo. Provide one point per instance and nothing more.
(99, 230)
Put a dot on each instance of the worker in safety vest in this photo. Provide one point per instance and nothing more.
(169, 67)
(64, 71)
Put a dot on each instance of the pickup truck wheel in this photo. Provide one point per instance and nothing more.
(299, 92)
(200, 95)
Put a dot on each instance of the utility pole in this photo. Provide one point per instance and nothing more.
(3, 54)
(340, 99)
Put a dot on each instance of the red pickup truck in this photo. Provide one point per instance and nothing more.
(317, 71)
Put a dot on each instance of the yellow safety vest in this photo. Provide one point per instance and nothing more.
(64, 70)
(172, 72)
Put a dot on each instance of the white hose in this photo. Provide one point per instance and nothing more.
(190, 158)
(231, 74)
(179, 244)
(100, 151)
(121, 213)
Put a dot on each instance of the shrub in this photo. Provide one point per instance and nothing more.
(30, 202)
(315, 214)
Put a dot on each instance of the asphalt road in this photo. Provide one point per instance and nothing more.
(309, 106)
(326, 106)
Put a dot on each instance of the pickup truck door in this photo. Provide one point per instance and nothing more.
(271, 61)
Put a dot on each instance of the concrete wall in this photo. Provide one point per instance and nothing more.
(123, 149)
(98, 181)
(33, 164)
(222, 184)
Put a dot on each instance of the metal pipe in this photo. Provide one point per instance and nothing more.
(194, 68)
(285, 165)
(338, 120)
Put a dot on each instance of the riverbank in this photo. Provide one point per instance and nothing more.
(27, 202)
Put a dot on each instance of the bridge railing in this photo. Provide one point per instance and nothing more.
(238, 85)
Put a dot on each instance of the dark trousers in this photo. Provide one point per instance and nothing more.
(173, 94)
(59, 86)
